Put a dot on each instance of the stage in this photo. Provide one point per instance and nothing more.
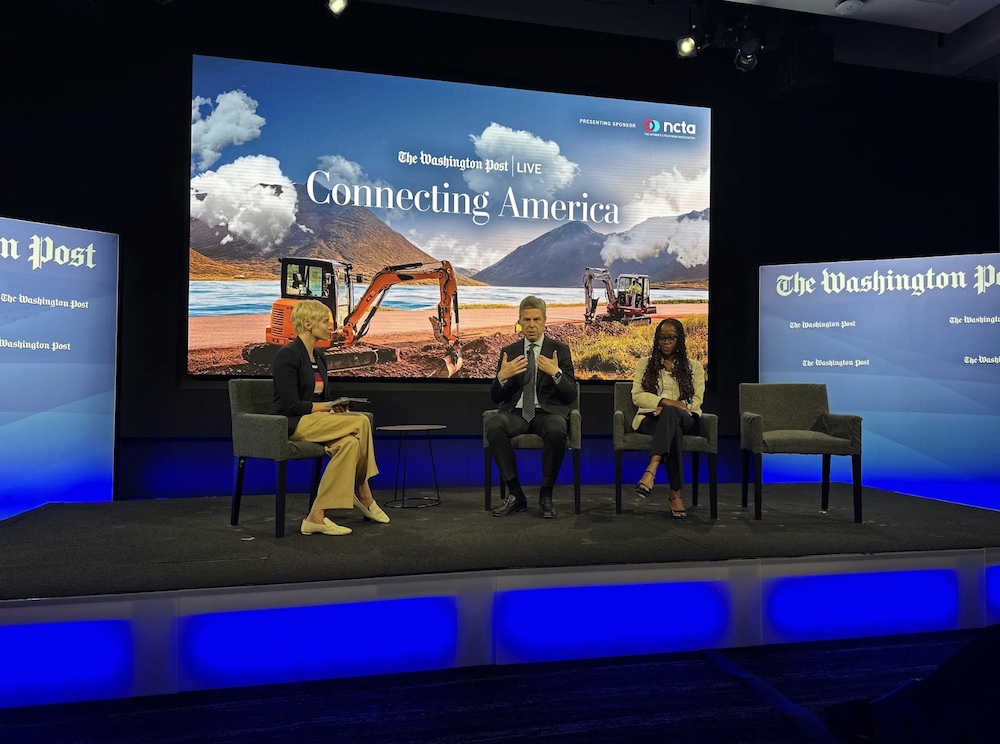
(63, 550)
(154, 597)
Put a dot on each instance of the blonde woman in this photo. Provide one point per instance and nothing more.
(302, 393)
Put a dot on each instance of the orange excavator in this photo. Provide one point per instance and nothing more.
(332, 283)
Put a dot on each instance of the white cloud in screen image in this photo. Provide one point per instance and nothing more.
(668, 193)
(501, 144)
(686, 238)
(250, 196)
(233, 121)
(458, 252)
(349, 172)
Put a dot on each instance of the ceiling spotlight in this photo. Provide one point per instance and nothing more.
(687, 46)
(746, 51)
(745, 62)
(337, 6)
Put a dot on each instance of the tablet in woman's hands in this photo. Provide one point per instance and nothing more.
(345, 400)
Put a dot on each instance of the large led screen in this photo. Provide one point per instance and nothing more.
(913, 346)
(421, 212)
(58, 345)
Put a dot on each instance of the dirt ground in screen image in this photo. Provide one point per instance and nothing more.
(600, 351)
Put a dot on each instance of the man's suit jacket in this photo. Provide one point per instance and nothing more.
(551, 398)
(294, 382)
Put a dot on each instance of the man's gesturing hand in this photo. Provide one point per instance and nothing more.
(547, 365)
(511, 368)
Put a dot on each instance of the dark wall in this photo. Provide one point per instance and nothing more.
(94, 133)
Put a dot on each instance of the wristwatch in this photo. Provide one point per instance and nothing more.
(557, 377)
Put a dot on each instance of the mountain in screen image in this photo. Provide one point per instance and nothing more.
(670, 250)
(554, 259)
(349, 234)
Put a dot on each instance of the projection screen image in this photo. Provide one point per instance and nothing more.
(421, 212)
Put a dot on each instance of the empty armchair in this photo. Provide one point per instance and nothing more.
(627, 439)
(795, 418)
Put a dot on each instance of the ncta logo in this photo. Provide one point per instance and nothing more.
(654, 126)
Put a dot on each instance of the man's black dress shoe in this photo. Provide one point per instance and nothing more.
(545, 504)
(510, 505)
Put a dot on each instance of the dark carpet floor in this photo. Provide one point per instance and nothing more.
(133, 546)
(691, 697)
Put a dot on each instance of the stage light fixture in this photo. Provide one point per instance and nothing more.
(746, 52)
(687, 46)
(337, 6)
(745, 62)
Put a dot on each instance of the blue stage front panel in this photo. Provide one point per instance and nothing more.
(99, 651)
(64, 662)
(583, 622)
(270, 646)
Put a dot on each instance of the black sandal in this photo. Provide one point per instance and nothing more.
(641, 489)
(679, 514)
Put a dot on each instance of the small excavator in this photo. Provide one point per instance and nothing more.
(332, 283)
(627, 299)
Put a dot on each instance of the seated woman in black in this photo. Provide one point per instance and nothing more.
(667, 388)
(302, 393)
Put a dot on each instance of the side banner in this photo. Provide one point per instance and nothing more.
(913, 346)
(58, 330)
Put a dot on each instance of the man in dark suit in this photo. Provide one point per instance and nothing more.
(534, 388)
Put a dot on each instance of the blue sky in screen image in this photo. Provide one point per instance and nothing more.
(284, 122)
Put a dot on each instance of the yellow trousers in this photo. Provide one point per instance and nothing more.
(348, 440)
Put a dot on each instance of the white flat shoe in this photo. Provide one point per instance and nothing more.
(373, 511)
(328, 527)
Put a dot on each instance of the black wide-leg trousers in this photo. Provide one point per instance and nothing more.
(667, 431)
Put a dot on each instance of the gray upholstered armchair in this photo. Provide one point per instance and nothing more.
(626, 438)
(795, 418)
(259, 433)
(533, 441)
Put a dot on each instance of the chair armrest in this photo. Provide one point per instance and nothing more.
(708, 427)
(618, 430)
(575, 440)
(486, 416)
(752, 432)
(260, 435)
(845, 426)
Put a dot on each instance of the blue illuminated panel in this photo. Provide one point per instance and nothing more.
(593, 621)
(230, 649)
(65, 662)
(807, 608)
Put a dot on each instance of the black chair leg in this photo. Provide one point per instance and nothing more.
(746, 475)
(487, 480)
(856, 472)
(314, 484)
(576, 481)
(825, 500)
(618, 481)
(234, 512)
(713, 484)
(694, 479)
(279, 500)
(758, 474)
